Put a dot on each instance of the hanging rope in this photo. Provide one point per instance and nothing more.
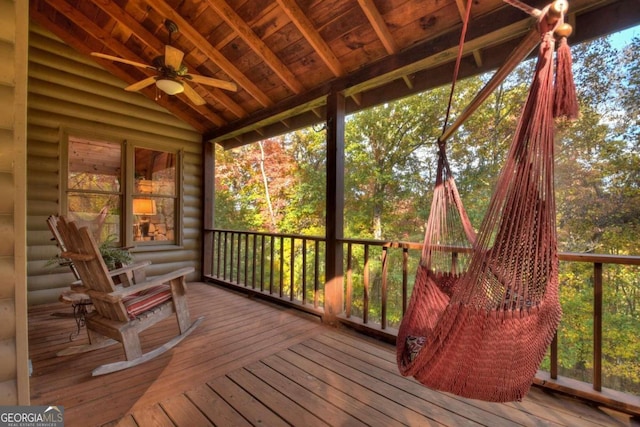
(448, 216)
(463, 35)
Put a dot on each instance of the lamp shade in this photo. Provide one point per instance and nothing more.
(169, 86)
(144, 207)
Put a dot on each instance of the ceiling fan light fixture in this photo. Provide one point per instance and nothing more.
(169, 86)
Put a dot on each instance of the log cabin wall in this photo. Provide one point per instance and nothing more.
(70, 92)
(14, 379)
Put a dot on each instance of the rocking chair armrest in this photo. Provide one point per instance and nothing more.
(79, 287)
(128, 268)
(149, 283)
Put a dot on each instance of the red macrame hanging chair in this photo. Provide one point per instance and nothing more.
(480, 318)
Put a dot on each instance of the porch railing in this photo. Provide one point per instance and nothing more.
(378, 279)
(285, 267)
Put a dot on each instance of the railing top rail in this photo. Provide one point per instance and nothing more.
(600, 258)
(563, 256)
(266, 233)
(383, 243)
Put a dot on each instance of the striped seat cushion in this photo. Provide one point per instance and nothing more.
(145, 300)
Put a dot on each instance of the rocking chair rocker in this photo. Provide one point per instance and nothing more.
(121, 312)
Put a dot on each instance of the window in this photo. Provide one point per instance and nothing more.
(125, 193)
(154, 198)
(94, 190)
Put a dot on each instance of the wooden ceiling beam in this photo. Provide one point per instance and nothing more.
(382, 31)
(591, 23)
(312, 101)
(309, 32)
(256, 44)
(379, 25)
(370, 69)
(123, 18)
(152, 42)
(203, 44)
(492, 29)
(462, 9)
(426, 79)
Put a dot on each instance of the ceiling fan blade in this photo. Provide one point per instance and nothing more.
(141, 84)
(125, 61)
(209, 81)
(193, 95)
(173, 57)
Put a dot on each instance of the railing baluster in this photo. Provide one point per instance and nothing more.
(253, 261)
(316, 274)
(365, 303)
(218, 255)
(597, 326)
(281, 272)
(304, 271)
(232, 252)
(454, 262)
(214, 242)
(224, 265)
(383, 308)
(292, 270)
(246, 259)
(553, 369)
(262, 251)
(405, 271)
(271, 249)
(349, 290)
(238, 259)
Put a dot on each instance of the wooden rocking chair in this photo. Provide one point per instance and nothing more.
(122, 311)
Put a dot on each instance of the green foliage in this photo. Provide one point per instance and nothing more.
(114, 257)
(389, 161)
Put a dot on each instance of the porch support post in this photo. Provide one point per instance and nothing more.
(334, 291)
(208, 201)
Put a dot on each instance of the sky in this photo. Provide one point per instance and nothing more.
(621, 39)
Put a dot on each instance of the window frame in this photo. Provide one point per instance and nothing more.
(127, 187)
(132, 193)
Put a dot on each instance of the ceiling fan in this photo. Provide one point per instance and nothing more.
(172, 74)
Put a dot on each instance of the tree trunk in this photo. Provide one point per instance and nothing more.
(266, 187)
(377, 220)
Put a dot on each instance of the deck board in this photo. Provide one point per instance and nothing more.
(382, 364)
(329, 413)
(346, 402)
(153, 416)
(254, 411)
(255, 363)
(182, 412)
(215, 407)
(283, 406)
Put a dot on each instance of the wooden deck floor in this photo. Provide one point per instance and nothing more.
(253, 363)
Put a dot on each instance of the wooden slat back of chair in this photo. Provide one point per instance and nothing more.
(83, 251)
(52, 222)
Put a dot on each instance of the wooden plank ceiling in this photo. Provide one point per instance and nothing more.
(286, 55)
